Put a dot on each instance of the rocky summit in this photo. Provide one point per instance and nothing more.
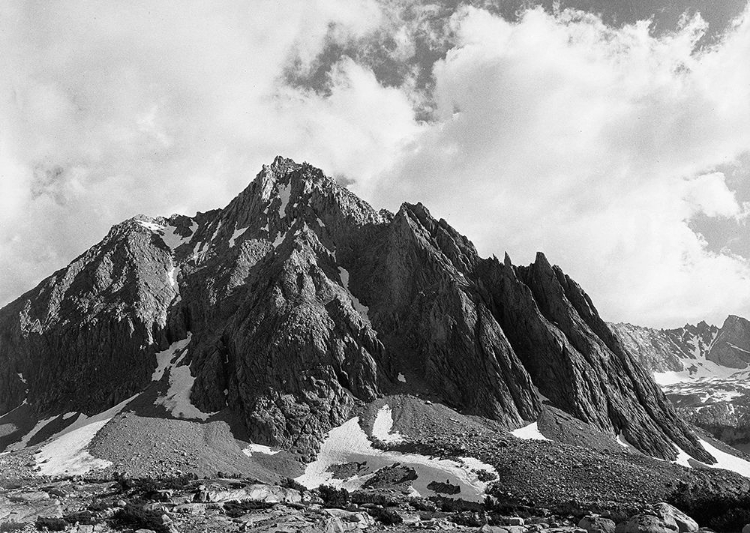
(301, 300)
(299, 333)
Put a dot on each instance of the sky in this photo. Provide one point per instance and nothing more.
(612, 135)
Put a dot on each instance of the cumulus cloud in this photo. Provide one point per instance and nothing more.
(595, 145)
(553, 132)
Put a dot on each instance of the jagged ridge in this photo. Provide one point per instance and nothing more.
(302, 301)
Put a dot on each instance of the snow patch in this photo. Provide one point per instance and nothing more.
(259, 448)
(200, 249)
(348, 443)
(683, 457)
(20, 376)
(67, 452)
(173, 239)
(235, 235)
(279, 239)
(530, 432)
(358, 306)
(381, 428)
(68, 415)
(664, 379)
(216, 231)
(150, 225)
(177, 399)
(724, 395)
(401, 378)
(164, 358)
(172, 276)
(284, 193)
(703, 371)
(727, 461)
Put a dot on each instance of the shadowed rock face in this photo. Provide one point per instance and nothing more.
(303, 301)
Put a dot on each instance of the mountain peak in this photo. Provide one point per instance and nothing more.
(303, 301)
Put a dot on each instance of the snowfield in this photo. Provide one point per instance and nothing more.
(348, 443)
(530, 432)
(259, 448)
(67, 453)
(727, 461)
(381, 428)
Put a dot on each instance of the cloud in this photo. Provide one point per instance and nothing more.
(597, 145)
(159, 107)
(708, 194)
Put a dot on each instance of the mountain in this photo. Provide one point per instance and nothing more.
(732, 345)
(703, 370)
(664, 350)
(298, 304)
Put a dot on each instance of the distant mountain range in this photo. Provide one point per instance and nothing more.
(703, 369)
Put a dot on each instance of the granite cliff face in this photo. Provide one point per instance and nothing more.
(303, 302)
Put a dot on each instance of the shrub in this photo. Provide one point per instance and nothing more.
(137, 518)
(237, 509)
(333, 497)
(451, 505)
(85, 518)
(376, 498)
(289, 483)
(388, 517)
(50, 523)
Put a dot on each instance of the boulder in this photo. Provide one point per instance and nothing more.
(272, 494)
(511, 520)
(409, 518)
(222, 495)
(647, 523)
(492, 529)
(350, 519)
(30, 496)
(597, 524)
(684, 523)
(334, 525)
(24, 512)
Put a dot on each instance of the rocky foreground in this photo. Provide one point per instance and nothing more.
(540, 486)
(186, 505)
